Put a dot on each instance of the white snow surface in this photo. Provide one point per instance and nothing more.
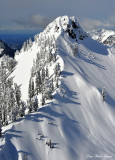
(80, 125)
(23, 70)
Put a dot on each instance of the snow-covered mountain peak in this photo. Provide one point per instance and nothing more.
(67, 24)
(45, 42)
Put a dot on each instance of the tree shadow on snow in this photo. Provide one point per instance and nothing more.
(68, 96)
(90, 61)
(53, 124)
(51, 111)
(55, 145)
(33, 117)
(10, 151)
(66, 100)
(1, 146)
(110, 101)
(12, 133)
(65, 74)
(36, 117)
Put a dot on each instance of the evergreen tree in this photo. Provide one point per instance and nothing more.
(0, 129)
(10, 94)
(14, 113)
(43, 99)
(75, 49)
(57, 70)
(24, 46)
(0, 122)
(38, 82)
(103, 94)
(32, 88)
(50, 56)
(17, 94)
(47, 72)
(30, 42)
(30, 106)
(43, 75)
(54, 57)
(57, 82)
(35, 105)
(52, 85)
(22, 109)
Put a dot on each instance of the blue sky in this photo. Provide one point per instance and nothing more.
(36, 14)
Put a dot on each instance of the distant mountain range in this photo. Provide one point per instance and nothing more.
(5, 49)
(107, 37)
(16, 40)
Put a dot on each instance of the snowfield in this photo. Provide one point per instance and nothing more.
(79, 123)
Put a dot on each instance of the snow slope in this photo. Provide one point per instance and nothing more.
(80, 125)
(22, 72)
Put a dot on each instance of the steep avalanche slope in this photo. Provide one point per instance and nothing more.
(80, 125)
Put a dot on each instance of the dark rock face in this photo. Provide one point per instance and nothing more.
(6, 49)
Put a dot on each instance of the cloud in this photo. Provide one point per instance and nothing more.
(90, 24)
(40, 20)
(37, 21)
(2, 29)
(33, 21)
(112, 18)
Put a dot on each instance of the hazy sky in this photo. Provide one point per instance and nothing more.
(35, 14)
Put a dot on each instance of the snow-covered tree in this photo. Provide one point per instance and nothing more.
(54, 57)
(75, 49)
(10, 94)
(40, 71)
(22, 109)
(0, 122)
(43, 74)
(14, 113)
(30, 90)
(57, 82)
(35, 104)
(17, 94)
(30, 42)
(47, 72)
(103, 94)
(43, 99)
(52, 85)
(57, 70)
(38, 82)
(0, 129)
